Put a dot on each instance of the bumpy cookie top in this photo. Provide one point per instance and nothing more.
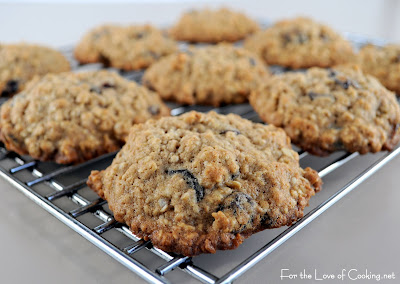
(124, 47)
(200, 182)
(210, 75)
(323, 110)
(300, 43)
(71, 117)
(21, 62)
(383, 63)
(213, 26)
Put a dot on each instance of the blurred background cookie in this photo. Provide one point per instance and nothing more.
(21, 62)
(213, 26)
(124, 47)
(212, 75)
(382, 63)
(325, 110)
(300, 43)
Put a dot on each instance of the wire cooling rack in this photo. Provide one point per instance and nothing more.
(62, 191)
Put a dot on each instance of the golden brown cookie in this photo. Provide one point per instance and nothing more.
(213, 75)
(21, 62)
(213, 26)
(124, 47)
(198, 183)
(324, 110)
(70, 118)
(383, 63)
(300, 43)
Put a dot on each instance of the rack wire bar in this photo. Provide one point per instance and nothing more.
(68, 169)
(172, 264)
(69, 190)
(106, 226)
(135, 247)
(23, 167)
(88, 208)
(309, 217)
(338, 163)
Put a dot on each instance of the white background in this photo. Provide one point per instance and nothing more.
(57, 23)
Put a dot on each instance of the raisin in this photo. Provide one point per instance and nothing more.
(104, 60)
(332, 73)
(267, 221)
(296, 37)
(324, 37)
(11, 88)
(153, 54)
(140, 35)
(344, 84)
(396, 59)
(239, 206)
(237, 132)
(107, 85)
(191, 181)
(13, 138)
(235, 175)
(149, 85)
(252, 61)
(313, 95)
(347, 83)
(302, 38)
(338, 145)
(99, 90)
(154, 109)
(95, 89)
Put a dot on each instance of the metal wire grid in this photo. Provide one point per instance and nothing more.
(48, 174)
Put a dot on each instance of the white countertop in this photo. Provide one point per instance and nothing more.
(359, 232)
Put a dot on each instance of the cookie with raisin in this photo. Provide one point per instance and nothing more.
(300, 43)
(74, 117)
(325, 110)
(124, 47)
(212, 75)
(198, 183)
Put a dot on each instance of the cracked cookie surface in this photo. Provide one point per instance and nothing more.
(382, 63)
(198, 183)
(324, 110)
(213, 26)
(21, 62)
(213, 75)
(70, 118)
(124, 47)
(300, 43)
